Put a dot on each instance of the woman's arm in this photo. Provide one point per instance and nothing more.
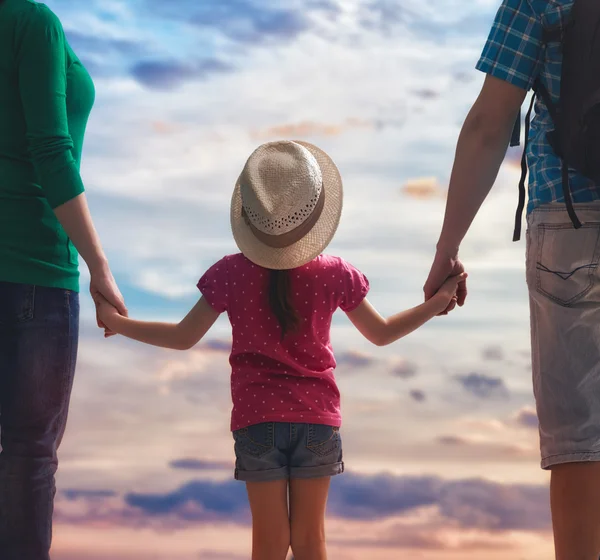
(41, 59)
(40, 52)
(76, 220)
(382, 332)
(177, 336)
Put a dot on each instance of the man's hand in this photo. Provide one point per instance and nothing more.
(445, 266)
(103, 284)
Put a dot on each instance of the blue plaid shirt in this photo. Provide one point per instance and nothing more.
(514, 53)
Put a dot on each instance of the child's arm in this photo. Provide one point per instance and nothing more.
(180, 336)
(382, 332)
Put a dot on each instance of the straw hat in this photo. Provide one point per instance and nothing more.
(286, 205)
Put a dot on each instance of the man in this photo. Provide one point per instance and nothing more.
(561, 267)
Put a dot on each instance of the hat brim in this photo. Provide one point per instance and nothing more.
(311, 245)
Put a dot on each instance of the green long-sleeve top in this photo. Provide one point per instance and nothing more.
(46, 96)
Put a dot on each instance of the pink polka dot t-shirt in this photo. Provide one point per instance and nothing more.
(290, 380)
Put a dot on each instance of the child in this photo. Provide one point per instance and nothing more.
(280, 294)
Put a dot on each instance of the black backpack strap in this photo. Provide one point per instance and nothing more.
(515, 139)
(553, 35)
(543, 92)
(521, 207)
(552, 109)
(567, 193)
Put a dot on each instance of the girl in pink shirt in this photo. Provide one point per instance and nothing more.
(280, 294)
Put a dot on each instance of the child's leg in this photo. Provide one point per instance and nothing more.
(270, 519)
(308, 502)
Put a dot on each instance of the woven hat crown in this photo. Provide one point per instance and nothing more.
(280, 187)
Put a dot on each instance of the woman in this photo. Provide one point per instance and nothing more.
(45, 98)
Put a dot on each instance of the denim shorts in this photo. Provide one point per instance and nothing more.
(564, 288)
(282, 450)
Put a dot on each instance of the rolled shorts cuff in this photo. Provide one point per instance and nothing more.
(585, 457)
(320, 471)
(269, 475)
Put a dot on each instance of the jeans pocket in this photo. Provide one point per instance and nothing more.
(16, 303)
(566, 262)
(323, 440)
(256, 440)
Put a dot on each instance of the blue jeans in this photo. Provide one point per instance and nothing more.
(38, 350)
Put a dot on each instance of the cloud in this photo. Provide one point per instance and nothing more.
(472, 504)
(84, 43)
(467, 504)
(196, 501)
(163, 127)
(199, 465)
(418, 395)
(464, 77)
(215, 345)
(384, 15)
(192, 362)
(483, 386)
(305, 129)
(72, 494)
(216, 555)
(493, 354)
(451, 440)
(425, 533)
(466, 448)
(355, 359)
(423, 188)
(328, 6)
(243, 21)
(170, 74)
(404, 369)
(527, 417)
(426, 94)
(477, 504)
(513, 157)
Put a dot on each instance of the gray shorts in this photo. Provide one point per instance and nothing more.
(564, 289)
(281, 450)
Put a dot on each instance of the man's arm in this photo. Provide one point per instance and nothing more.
(512, 60)
(481, 148)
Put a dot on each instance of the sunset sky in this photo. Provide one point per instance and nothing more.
(440, 432)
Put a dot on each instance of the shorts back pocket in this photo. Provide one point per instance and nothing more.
(256, 440)
(567, 261)
(323, 440)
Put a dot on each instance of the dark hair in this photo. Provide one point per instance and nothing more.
(280, 301)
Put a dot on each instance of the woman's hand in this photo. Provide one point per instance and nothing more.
(448, 294)
(106, 313)
(103, 288)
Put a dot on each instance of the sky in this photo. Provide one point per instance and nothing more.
(440, 431)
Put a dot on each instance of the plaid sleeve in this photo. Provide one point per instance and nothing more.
(513, 50)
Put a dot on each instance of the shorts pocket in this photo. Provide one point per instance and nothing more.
(256, 440)
(323, 440)
(566, 262)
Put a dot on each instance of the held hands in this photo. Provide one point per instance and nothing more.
(444, 268)
(447, 295)
(106, 313)
(103, 289)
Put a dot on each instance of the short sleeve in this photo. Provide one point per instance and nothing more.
(214, 286)
(514, 47)
(354, 286)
